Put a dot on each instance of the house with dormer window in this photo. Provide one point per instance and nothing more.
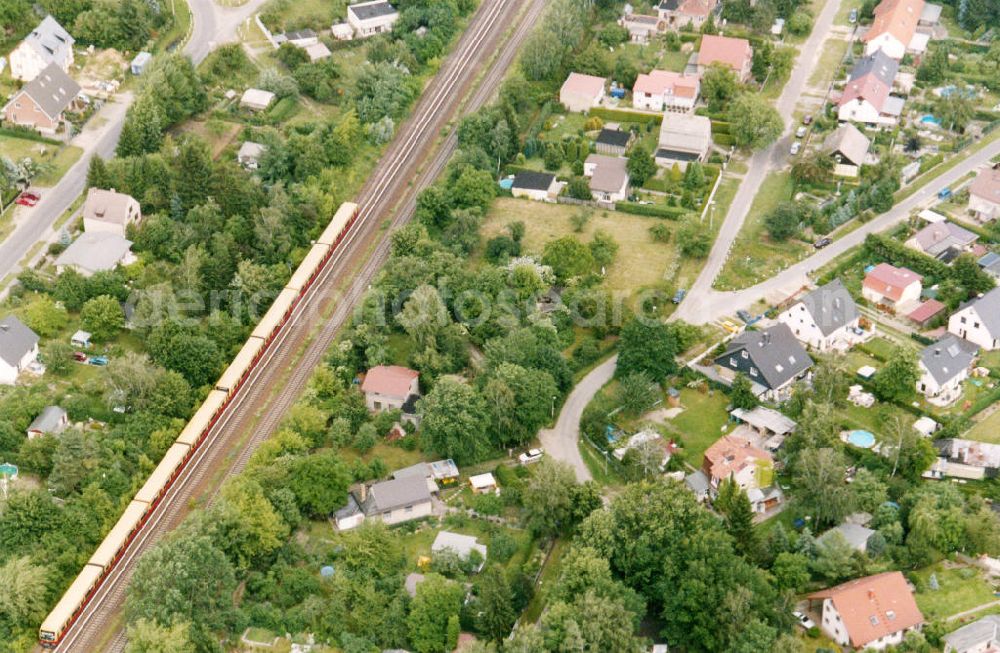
(771, 358)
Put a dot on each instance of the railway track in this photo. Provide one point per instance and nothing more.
(390, 188)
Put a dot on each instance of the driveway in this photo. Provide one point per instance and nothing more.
(761, 164)
(212, 25)
(561, 441)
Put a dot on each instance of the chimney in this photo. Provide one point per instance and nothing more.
(363, 493)
(937, 351)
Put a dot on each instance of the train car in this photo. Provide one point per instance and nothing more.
(342, 219)
(120, 535)
(168, 469)
(70, 606)
(204, 419)
(310, 266)
(276, 315)
(236, 373)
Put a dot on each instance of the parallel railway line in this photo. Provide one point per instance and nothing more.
(390, 184)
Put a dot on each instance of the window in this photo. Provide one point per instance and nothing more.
(962, 320)
(873, 619)
(745, 354)
(408, 509)
(753, 371)
(732, 361)
(890, 615)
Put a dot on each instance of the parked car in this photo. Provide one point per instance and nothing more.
(804, 620)
(853, 17)
(679, 296)
(744, 315)
(822, 242)
(28, 199)
(800, 132)
(796, 146)
(99, 361)
(807, 119)
(944, 193)
(531, 456)
(80, 357)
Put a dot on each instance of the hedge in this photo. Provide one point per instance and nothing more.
(900, 255)
(720, 127)
(622, 115)
(28, 135)
(720, 116)
(722, 139)
(930, 162)
(652, 210)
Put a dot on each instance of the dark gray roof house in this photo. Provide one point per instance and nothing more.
(987, 309)
(52, 90)
(831, 306)
(394, 494)
(367, 10)
(16, 340)
(613, 141)
(948, 357)
(990, 264)
(880, 64)
(980, 635)
(531, 180)
(771, 358)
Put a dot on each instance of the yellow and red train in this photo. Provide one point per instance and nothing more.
(118, 539)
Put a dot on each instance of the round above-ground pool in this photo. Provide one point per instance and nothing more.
(861, 438)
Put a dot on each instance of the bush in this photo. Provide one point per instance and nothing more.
(620, 115)
(720, 127)
(651, 210)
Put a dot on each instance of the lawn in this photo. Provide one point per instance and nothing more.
(56, 159)
(758, 257)
(283, 15)
(690, 267)
(845, 11)
(641, 263)
(702, 422)
(959, 590)
(393, 457)
(986, 430)
(550, 572)
(217, 133)
(834, 49)
(675, 61)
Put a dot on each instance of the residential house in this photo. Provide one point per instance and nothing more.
(930, 16)
(48, 44)
(990, 264)
(684, 137)
(943, 366)
(848, 147)
(978, 321)
(302, 38)
(581, 92)
(538, 186)
(393, 502)
(969, 459)
(109, 211)
(943, 240)
(734, 458)
(41, 103)
(388, 387)
(614, 142)
(735, 54)
(869, 613)
(250, 154)
(461, 545)
(984, 194)
(140, 62)
(317, 52)
(854, 535)
(256, 99)
(96, 251)
(867, 98)
(894, 29)
(887, 285)
(664, 90)
(926, 312)
(370, 18)
(981, 636)
(698, 483)
(608, 177)
(825, 319)
(686, 13)
(641, 28)
(18, 349)
(484, 483)
(53, 420)
(771, 358)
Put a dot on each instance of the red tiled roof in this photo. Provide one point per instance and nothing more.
(580, 84)
(890, 281)
(734, 53)
(926, 311)
(897, 17)
(869, 88)
(731, 454)
(658, 82)
(389, 380)
(874, 606)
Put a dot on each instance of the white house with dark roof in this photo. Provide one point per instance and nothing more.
(18, 348)
(614, 142)
(47, 44)
(393, 502)
(825, 319)
(640, 27)
(95, 251)
(371, 18)
(978, 321)
(41, 103)
(943, 366)
(538, 186)
(771, 358)
(984, 195)
(981, 636)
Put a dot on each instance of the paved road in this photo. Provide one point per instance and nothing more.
(560, 442)
(212, 25)
(714, 304)
(761, 164)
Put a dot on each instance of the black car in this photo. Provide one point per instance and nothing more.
(745, 316)
(822, 242)
(679, 296)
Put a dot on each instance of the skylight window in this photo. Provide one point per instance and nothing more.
(873, 619)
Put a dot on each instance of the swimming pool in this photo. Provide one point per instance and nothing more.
(862, 439)
(930, 120)
(506, 184)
